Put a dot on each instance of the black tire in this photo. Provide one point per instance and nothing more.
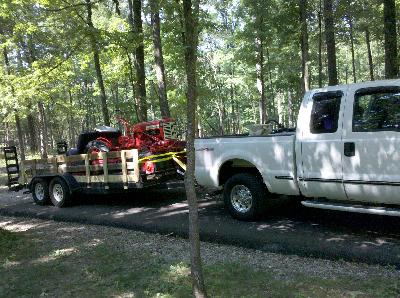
(59, 192)
(96, 145)
(245, 196)
(40, 191)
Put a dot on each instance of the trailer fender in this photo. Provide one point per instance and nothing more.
(73, 185)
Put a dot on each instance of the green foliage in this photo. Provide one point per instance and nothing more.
(51, 61)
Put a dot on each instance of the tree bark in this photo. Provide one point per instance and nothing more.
(135, 22)
(96, 59)
(21, 143)
(330, 43)
(391, 64)
(260, 66)
(320, 45)
(190, 25)
(353, 61)
(305, 79)
(43, 130)
(70, 121)
(32, 132)
(20, 137)
(159, 59)
(132, 81)
(117, 9)
(370, 61)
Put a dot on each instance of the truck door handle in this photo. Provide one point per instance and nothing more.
(349, 149)
(205, 149)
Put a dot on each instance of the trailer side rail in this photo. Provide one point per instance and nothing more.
(103, 168)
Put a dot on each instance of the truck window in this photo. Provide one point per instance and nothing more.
(377, 109)
(325, 112)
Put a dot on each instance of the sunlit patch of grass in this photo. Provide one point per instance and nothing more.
(106, 270)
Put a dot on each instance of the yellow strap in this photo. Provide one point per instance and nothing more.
(170, 155)
(160, 155)
(179, 162)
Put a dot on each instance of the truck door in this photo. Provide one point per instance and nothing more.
(319, 135)
(371, 167)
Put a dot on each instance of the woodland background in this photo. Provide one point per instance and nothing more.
(69, 65)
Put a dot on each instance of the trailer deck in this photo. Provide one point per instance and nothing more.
(59, 177)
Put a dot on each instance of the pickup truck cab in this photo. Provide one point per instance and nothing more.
(344, 155)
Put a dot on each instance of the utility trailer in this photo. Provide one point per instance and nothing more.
(59, 178)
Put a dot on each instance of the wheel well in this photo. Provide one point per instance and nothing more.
(236, 166)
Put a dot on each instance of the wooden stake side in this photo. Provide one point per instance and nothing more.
(103, 156)
(124, 169)
(87, 170)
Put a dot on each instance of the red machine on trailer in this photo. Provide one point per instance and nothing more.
(150, 138)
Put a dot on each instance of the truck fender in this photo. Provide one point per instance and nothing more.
(245, 157)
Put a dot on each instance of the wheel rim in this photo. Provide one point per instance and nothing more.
(241, 198)
(39, 191)
(58, 192)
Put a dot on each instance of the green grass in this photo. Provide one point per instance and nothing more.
(30, 267)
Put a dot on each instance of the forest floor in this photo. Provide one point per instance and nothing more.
(49, 258)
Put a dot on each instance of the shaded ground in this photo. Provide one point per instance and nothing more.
(58, 259)
(291, 229)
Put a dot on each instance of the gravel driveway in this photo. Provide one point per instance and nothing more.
(289, 229)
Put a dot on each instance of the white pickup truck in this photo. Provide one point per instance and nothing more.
(343, 155)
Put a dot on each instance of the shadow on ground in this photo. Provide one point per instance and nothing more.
(287, 228)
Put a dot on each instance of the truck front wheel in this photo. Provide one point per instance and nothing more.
(245, 196)
(59, 192)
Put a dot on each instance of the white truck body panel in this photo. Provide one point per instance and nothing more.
(271, 155)
(319, 156)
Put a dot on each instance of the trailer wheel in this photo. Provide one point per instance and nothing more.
(59, 192)
(245, 196)
(40, 191)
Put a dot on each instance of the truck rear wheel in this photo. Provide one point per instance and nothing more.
(40, 191)
(245, 196)
(59, 192)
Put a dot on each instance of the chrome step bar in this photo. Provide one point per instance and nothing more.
(352, 208)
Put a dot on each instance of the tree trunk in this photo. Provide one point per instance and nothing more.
(353, 61)
(190, 61)
(96, 58)
(391, 65)
(370, 62)
(20, 137)
(117, 9)
(32, 132)
(159, 59)
(21, 143)
(305, 80)
(132, 81)
(260, 67)
(320, 45)
(43, 130)
(330, 43)
(70, 121)
(135, 22)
